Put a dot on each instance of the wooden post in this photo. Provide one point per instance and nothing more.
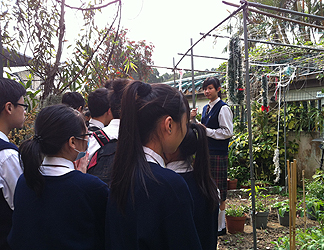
(292, 188)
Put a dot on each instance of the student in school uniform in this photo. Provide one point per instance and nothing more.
(202, 186)
(150, 207)
(12, 115)
(56, 206)
(217, 117)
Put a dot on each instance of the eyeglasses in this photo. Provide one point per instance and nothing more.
(79, 137)
(24, 105)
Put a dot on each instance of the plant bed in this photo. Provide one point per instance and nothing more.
(264, 236)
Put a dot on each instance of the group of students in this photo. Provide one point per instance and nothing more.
(150, 194)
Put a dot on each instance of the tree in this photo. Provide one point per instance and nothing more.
(40, 29)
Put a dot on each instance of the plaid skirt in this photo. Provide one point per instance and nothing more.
(218, 167)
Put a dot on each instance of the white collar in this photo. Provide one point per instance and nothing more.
(96, 123)
(179, 166)
(56, 166)
(112, 129)
(152, 156)
(3, 136)
(212, 104)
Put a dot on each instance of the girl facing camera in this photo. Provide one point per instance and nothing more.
(56, 206)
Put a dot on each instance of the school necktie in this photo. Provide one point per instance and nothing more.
(207, 109)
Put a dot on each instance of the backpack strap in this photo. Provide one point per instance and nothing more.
(101, 137)
(104, 150)
(7, 145)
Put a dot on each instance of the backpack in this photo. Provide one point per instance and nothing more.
(102, 160)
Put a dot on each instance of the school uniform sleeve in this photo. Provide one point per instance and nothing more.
(225, 130)
(10, 170)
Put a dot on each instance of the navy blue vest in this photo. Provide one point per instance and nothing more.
(5, 210)
(216, 147)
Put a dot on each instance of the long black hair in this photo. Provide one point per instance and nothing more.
(142, 107)
(195, 143)
(54, 126)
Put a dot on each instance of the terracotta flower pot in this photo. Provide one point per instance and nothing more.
(235, 224)
(231, 184)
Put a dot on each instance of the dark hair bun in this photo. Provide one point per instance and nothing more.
(144, 89)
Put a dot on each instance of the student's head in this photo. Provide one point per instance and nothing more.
(154, 114)
(74, 100)
(98, 102)
(87, 114)
(59, 131)
(12, 106)
(195, 144)
(153, 110)
(116, 90)
(212, 88)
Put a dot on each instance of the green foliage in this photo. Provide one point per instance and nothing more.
(261, 199)
(311, 239)
(234, 72)
(236, 211)
(264, 143)
(283, 206)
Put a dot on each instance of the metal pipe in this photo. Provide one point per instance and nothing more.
(1, 57)
(233, 14)
(259, 5)
(248, 105)
(276, 16)
(192, 78)
(196, 70)
(272, 43)
(212, 57)
(174, 72)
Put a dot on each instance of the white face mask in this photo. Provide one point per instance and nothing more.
(81, 153)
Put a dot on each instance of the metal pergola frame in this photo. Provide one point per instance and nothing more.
(245, 8)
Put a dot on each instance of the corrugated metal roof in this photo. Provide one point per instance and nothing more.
(186, 83)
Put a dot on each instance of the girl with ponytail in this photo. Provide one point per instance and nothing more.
(150, 207)
(56, 206)
(202, 186)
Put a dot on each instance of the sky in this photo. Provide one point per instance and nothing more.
(169, 25)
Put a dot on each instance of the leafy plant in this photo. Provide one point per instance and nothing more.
(261, 199)
(236, 211)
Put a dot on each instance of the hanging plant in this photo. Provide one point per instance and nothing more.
(234, 72)
(265, 106)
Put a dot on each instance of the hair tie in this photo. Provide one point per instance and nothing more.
(38, 138)
(144, 89)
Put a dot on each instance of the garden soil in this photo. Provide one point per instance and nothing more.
(265, 236)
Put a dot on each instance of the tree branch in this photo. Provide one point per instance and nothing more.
(91, 8)
(90, 58)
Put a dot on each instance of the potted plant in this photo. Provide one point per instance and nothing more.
(261, 208)
(235, 218)
(283, 212)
